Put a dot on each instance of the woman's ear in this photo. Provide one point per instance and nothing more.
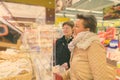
(87, 29)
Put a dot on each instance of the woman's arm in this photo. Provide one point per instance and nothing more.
(66, 75)
(58, 52)
(97, 62)
(5, 30)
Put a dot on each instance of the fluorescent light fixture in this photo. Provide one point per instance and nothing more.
(115, 1)
(97, 12)
(65, 15)
(70, 15)
(84, 10)
(72, 9)
(59, 14)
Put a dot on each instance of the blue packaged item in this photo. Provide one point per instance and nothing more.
(113, 44)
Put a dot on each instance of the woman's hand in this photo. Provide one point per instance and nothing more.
(57, 72)
(65, 65)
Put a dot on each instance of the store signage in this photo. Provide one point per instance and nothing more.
(61, 19)
(107, 36)
(50, 16)
(110, 33)
(111, 12)
(62, 4)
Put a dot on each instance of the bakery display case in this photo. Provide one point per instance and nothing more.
(15, 62)
(44, 58)
(33, 41)
(41, 53)
(15, 66)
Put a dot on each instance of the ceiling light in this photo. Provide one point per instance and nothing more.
(59, 14)
(84, 10)
(115, 1)
(66, 15)
(72, 9)
(70, 15)
(89, 0)
(97, 12)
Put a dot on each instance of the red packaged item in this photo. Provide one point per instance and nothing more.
(110, 33)
(118, 71)
(58, 77)
(102, 36)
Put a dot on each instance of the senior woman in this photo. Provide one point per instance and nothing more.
(88, 56)
(62, 51)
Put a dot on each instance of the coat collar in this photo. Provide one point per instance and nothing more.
(83, 40)
(64, 39)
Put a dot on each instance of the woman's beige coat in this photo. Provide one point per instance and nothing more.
(88, 59)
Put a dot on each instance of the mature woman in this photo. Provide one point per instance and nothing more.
(62, 51)
(88, 56)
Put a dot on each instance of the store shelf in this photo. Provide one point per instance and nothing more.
(112, 65)
(112, 62)
(10, 45)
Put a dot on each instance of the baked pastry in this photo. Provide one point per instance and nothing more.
(15, 67)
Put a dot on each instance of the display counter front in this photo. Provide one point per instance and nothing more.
(113, 65)
(15, 66)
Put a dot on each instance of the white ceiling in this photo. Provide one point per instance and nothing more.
(11, 10)
(94, 7)
(78, 6)
(21, 10)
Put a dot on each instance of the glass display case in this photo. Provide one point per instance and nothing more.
(42, 56)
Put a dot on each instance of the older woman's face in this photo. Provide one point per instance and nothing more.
(79, 27)
(67, 30)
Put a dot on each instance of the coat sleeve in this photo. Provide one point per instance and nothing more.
(57, 51)
(66, 75)
(97, 62)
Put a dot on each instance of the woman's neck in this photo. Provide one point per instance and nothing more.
(68, 36)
